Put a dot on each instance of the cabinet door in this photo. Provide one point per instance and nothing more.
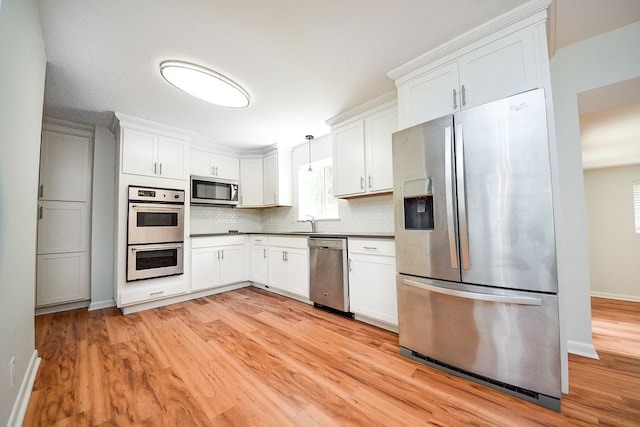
(500, 69)
(64, 167)
(171, 158)
(259, 264)
(277, 268)
(61, 278)
(251, 182)
(348, 159)
(138, 152)
(226, 167)
(378, 129)
(429, 96)
(200, 163)
(232, 264)
(297, 261)
(62, 227)
(372, 287)
(205, 268)
(270, 179)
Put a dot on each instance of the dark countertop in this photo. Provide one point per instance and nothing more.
(308, 234)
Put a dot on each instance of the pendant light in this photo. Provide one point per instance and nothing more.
(309, 138)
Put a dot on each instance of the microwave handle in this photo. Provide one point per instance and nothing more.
(234, 192)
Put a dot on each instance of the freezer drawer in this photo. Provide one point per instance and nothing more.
(508, 336)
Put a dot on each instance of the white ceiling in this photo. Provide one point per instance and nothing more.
(302, 61)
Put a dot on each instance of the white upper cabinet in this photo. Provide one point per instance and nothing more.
(145, 153)
(276, 172)
(362, 162)
(64, 167)
(251, 187)
(489, 69)
(204, 163)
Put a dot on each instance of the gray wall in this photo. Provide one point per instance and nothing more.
(23, 62)
(103, 217)
(596, 62)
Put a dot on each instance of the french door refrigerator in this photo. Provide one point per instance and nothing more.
(475, 247)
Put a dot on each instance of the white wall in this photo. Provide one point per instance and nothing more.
(103, 220)
(614, 246)
(23, 62)
(599, 61)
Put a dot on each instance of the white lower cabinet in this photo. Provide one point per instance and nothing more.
(216, 261)
(259, 259)
(372, 280)
(289, 264)
(61, 278)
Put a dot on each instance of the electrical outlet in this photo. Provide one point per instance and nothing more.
(13, 371)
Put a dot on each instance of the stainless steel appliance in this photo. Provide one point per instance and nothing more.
(329, 277)
(213, 191)
(475, 247)
(155, 237)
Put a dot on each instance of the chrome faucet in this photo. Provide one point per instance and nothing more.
(313, 223)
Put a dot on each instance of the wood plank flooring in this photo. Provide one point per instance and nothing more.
(248, 357)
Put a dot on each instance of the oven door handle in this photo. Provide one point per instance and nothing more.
(144, 207)
(146, 248)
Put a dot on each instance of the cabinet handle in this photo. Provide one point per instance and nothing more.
(156, 293)
(264, 253)
(222, 252)
(455, 99)
(370, 181)
(362, 183)
(41, 190)
(350, 266)
(155, 168)
(464, 96)
(40, 212)
(371, 248)
(213, 171)
(216, 171)
(160, 168)
(218, 253)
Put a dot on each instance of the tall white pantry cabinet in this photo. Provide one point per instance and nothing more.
(62, 256)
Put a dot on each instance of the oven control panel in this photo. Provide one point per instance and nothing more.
(155, 195)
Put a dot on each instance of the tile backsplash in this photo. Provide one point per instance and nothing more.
(373, 214)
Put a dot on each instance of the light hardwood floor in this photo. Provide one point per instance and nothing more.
(248, 357)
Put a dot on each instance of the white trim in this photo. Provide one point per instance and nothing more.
(61, 307)
(582, 349)
(379, 103)
(131, 122)
(24, 394)
(68, 128)
(375, 322)
(632, 298)
(97, 305)
(524, 16)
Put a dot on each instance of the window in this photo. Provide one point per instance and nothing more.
(636, 203)
(315, 191)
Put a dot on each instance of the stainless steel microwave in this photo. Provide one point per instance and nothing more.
(213, 191)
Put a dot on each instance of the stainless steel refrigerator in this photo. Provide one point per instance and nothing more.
(475, 247)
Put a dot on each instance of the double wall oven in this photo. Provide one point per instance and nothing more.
(155, 234)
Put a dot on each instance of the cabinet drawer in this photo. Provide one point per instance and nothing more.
(149, 293)
(372, 247)
(207, 242)
(259, 240)
(289, 242)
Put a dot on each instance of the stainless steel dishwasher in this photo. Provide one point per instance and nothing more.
(329, 276)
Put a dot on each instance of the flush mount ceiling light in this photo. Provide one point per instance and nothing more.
(204, 84)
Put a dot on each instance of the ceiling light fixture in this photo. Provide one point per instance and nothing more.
(204, 84)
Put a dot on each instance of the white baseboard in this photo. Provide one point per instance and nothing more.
(633, 298)
(97, 305)
(582, 349)
(22, 400)
(61, 307)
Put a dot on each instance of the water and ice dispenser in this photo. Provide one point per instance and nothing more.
(418, 204)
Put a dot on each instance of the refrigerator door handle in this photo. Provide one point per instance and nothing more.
(462, 199)
(505, 299)
(448, 194)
